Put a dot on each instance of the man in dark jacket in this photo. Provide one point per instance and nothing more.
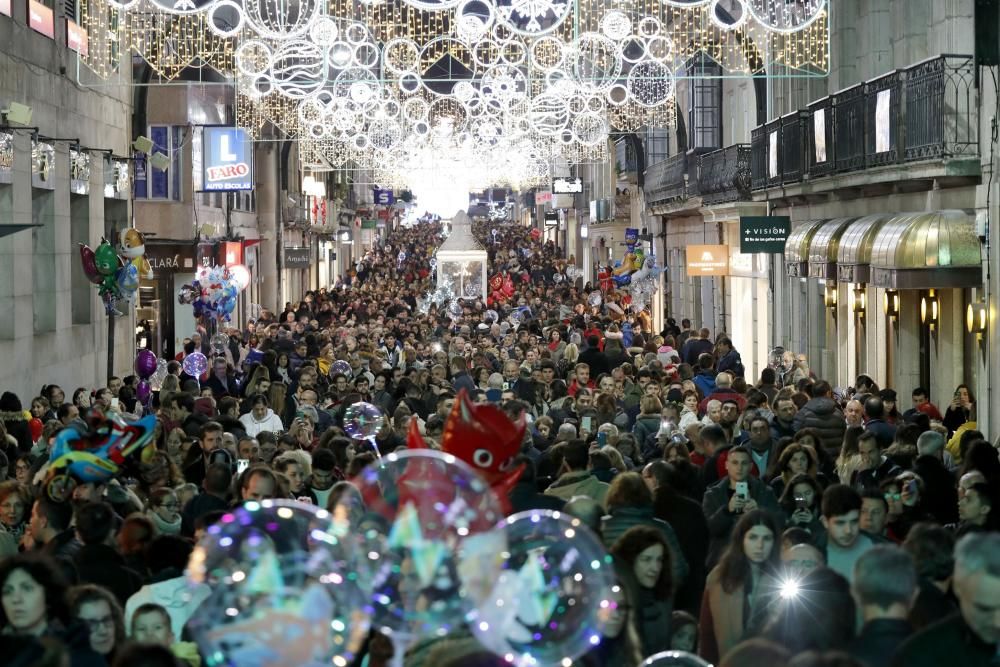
(97, 562)
(695, 347)
(875, 467)
(594, 358)
(971, 637)
(822, 414)
(214, 496)
(460, 378)
(729, 359)
(783, 421)
(883, 586)
(722, 505)
(883, 430)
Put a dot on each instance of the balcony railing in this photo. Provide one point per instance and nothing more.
(724, 175)
(941, 119)
(926, 111)
(666, 180)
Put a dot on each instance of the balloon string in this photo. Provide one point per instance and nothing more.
(378, 454)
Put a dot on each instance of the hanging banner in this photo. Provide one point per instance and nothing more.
(542, 197)
(384, 197)
(707, 260)
(227, 163)
(76, 38)
(297, 258)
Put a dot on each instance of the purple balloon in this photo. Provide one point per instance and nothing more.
(143, 392)
(145, 364)
(195, 364)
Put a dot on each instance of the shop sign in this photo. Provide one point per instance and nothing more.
(41, 19)
(230, 253)
(384, 197)
(543, 197)
(369, 224)
(169, 258)
(298, 258)
(77, 38)
(551, 219)
(116, 178)
(5, 7)
(227, 162)
(567, 186)
(707, 260)
(79, 172)
(766, 234)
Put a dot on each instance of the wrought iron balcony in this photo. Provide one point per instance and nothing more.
(666, 180)
(724, 175)
(923, 112)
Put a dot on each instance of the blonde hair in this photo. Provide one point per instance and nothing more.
(571, 353)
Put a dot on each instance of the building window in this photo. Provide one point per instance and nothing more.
(704, 103)
(244, 200)
(161, 184)
(657, 145)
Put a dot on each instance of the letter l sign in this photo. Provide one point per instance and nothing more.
(224, 153)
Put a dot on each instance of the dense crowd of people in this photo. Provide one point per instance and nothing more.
(774, 520)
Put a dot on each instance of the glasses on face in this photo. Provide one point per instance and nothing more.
(893, 496)
(21, 468)
(98, 623)
(170, 506)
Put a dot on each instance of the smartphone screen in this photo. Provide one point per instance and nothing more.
(241, 465)
(602, 438)
(585, 423)
(114, 403)
(742, 489)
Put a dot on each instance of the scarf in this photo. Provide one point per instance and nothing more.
(163, 526)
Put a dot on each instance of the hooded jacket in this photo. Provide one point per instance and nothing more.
(823, 415)
(579, 483)
(270, 422)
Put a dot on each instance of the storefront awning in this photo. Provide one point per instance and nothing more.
(823, 248)
(854, 254)
(932, 250)
(797, 248)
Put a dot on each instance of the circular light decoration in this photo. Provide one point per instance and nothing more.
(616, 24)
(298, 69)
(280, 20)
(784, 16)
(548, 115)
(729, 14)
(590, 128)
(504, 84)
(323, 31)
(253, 58)
(546, 53)
(400, 55)
(356, 33)
(366, 55)
(409, 83)
(533, 17)
(173, 6)
(415, 109)
(617, 95)
(649, 26)
(513, 52)
(432, 5)
(475, 18)
(597, 62)
(447, 117)
(650, 83)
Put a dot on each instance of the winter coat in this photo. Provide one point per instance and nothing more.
(645, 426)
(823, 415)
(270, 422)
(731, 363)
(715, 505)
(705, 381)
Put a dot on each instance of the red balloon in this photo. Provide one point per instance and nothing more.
(89, 264)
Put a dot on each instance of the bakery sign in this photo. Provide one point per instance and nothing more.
(227, 163)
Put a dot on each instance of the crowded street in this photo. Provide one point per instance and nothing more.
(486, 333)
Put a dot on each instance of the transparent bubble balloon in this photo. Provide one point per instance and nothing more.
(674, 659)
(454, 310)
(362, 421)
(491, 316)
(595, 299)
(342, 367)
(557, 278)
(281, 587)
(427, 522)
(195, 364)
(776, 359)
(553, 598)
(473, 289)
(158, 376)
(219, 342)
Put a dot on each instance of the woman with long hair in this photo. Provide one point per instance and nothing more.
(100, 612)
(800, 502)
(962, 409)
(15, 511)
(849, 460)
(621, 644)
(732, 585)
(795, 459)
(644, 551)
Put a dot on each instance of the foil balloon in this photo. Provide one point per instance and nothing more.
(106, 259)
(145, 364)
(491, 316)
(280, 588)
(454, 310)
(515, 318)
(143, 391)
(553, 596)
(195, 364)
(127, 279)
(426, 521)
(595, 299)
(133, 246)
(97, 452)
(89, 264)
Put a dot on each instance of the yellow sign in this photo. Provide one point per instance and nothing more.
(707, 260)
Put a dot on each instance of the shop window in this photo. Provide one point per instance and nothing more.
(657, 145)
(161, 184)
(704, 103)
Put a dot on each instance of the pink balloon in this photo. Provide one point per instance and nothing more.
(89, 263)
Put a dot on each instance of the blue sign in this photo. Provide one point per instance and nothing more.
(384, 197)
(227, 161)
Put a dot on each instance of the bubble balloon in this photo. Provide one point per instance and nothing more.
(454, 310)
(157, 378)
(427, 524)
(552, 599)
(220, 342)
(515, 319)
(595, 299)
(195, 364)
(282, 588)
(240, 275)
(362, 421)
(491, 316)
(674, 659)
(342, 367)
(145, 364)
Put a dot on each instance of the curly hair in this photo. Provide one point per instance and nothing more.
(637, 539)
(47, 574)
